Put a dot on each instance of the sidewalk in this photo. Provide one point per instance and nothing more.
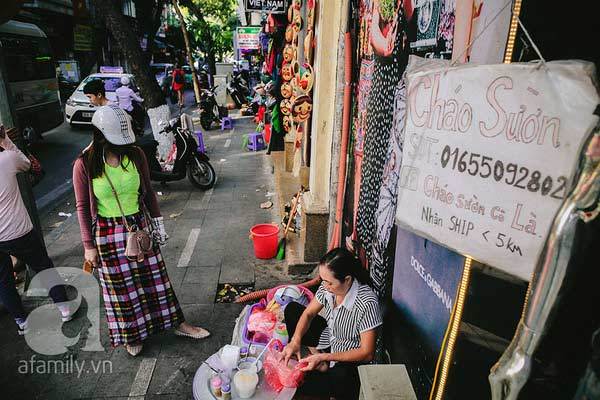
(208, 245)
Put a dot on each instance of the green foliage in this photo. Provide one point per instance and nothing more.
(211, 18)
(387, 9)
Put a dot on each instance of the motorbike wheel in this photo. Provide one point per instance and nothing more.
(201, 174)
(206, 121)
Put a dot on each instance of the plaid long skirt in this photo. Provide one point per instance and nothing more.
(138, 297)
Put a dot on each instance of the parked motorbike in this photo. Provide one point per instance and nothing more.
(189, 161)
(138, 118)
(209, 109)
(238, 89)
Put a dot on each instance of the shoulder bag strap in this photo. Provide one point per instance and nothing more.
(118, 202)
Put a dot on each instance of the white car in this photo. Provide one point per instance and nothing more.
(79, 110)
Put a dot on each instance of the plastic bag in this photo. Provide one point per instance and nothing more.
(263, 322)
(278, 375)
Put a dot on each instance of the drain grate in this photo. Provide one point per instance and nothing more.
(229, 292)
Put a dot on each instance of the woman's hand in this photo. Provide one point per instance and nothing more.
(292, 349)
(159, 232)
(91, 255)
(315, 362)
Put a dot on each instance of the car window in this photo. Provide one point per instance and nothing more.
(111, 83)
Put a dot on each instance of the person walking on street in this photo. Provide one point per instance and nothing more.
(19, 239)
(95, 91)
(125, 99)
(112, 190)
(178, 84)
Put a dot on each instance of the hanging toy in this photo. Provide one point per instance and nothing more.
(289, 34)
(303, 77)
(286, 107)
(287, 72)
(286, 90)
(287, 123)
(297, 23)
(289, 53)
(302, 108)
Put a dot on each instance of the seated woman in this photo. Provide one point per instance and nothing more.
(351, 312)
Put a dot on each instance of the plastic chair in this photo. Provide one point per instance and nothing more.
(200, 136)
(226, 123)
(256, 141)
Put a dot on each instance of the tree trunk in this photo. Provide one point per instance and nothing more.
(188, 50)
(210, 53)
(154, 101)
(121, 30)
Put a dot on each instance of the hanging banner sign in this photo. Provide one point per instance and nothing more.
(489, 152)
(272, 6)
(248, 37)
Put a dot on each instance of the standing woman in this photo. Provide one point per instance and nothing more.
(112, 188)
(347, 332)
(179, 84)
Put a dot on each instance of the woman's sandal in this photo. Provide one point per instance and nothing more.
(202, 334)
(133, 350)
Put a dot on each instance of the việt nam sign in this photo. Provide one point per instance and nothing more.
(489, 152)
(272, 6)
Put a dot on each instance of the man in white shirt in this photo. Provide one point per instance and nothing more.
(17, 236)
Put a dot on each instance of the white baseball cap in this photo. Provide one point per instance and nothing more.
(125, 80)
(115, 124)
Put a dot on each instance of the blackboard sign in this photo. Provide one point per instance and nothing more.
(272, 6)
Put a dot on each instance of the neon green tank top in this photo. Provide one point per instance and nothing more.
(126, 183)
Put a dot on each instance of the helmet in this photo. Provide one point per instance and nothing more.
(115, 124)
(125, 81)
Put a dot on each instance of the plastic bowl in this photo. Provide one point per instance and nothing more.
(248, 363)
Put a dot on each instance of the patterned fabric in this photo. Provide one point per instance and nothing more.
(386, 75)
(381, 265)
(138, 297)
(359, 312)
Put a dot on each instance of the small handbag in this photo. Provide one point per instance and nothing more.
(139, 242)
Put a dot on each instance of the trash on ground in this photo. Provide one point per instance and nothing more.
(56, 224)
(266, 204)
(63, 214)
(222, 160)
(174, 215)
(269, 194)
(229, 292)
(258, 190)
(159, 193)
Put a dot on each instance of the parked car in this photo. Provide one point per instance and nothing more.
(161, 71)
(187, 70)
(79, 110)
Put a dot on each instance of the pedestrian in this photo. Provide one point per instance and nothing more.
(95, 91)
(19, 239)
(178, 83)
(347, 330)
(125, 99)
(112, 185)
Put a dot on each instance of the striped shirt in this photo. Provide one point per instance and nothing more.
(358, 313)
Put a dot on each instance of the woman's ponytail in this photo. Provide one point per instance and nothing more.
(341, 262)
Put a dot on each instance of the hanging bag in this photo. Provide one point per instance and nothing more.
(139, 242)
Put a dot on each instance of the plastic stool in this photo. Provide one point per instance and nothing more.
(226, 123)
(256, 141)
(201, 148)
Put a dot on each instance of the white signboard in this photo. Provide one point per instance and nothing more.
(248, 37)
(489, 152)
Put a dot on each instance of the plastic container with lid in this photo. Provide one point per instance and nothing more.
(215, 385)
(245, 382)
(280, 332)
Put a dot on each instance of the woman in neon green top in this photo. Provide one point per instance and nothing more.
(138, 296)
(126, 180)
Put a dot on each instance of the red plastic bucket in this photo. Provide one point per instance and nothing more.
(264, 237)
